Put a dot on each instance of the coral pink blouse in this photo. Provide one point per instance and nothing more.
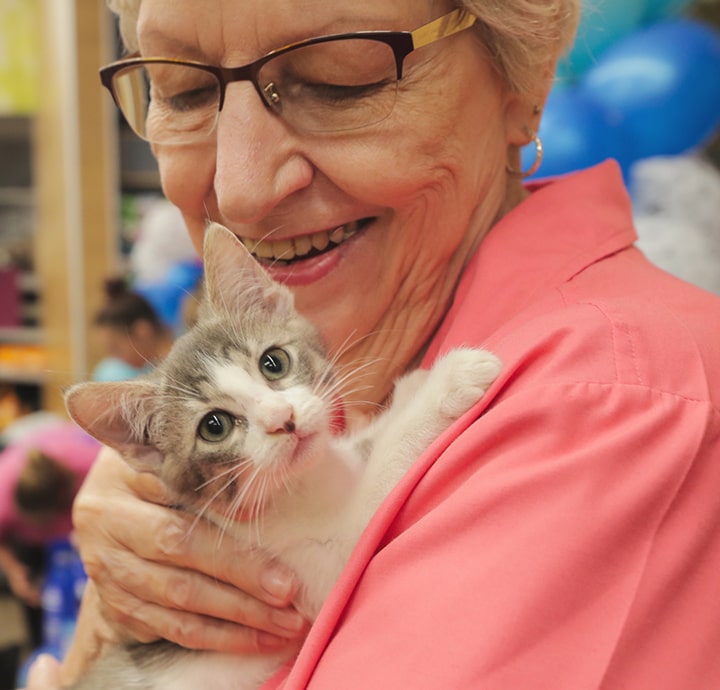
(565, 534)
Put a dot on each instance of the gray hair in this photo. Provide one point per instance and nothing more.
(524, 38)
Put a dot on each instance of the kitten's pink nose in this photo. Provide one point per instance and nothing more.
(286, 427)
(279, 419)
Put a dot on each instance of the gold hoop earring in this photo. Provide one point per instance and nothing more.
(536, 164)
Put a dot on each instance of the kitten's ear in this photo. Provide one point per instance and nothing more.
(117, 415)
(234, 282)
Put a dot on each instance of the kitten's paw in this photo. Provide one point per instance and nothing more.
(462, 376)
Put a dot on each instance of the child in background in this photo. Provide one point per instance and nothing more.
(131, 333)
(40, 475)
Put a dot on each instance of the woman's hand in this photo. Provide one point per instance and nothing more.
(160, 573)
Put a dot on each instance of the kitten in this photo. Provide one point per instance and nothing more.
(238, 421)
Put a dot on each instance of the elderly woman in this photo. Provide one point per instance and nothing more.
(368, 154)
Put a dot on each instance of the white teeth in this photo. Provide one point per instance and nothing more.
(320, 240)
(283, 249)
(286, 250)
(337, 235)
(264, 250)
(303, 245)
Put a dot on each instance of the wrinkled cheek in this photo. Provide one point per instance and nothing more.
(186, 175)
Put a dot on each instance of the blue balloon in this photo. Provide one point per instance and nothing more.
(602, 23)
(576, 133)
(662, 85)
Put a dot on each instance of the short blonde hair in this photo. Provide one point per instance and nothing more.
(524, 38)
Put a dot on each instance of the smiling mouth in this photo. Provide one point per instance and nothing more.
(285, 252)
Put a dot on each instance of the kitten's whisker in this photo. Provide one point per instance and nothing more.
(236, 471)
(234, 465)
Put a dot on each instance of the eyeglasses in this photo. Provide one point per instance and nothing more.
(326, 84)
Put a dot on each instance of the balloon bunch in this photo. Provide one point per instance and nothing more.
(640, 81)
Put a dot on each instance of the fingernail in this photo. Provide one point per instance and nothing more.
(288, 619)
(277, 582)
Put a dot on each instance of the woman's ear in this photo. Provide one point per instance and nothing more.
(524, 110)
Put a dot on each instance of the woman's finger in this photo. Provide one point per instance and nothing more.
(136, 585)
(162, 535)
(161, 573)
(195, 631)
(44, 674)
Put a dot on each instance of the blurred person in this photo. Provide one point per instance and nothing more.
(131, 333)
(40, 474)
(21, 413)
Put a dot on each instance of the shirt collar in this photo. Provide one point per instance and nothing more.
(564, 226)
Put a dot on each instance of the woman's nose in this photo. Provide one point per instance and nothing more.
(259, 159)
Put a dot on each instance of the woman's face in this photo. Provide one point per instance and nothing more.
(416, 192)
(136, 346)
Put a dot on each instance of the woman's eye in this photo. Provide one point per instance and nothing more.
(333, 93)
(216, 426)
(192, 100)
(275, 364)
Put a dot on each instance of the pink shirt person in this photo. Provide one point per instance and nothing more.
(565, 534)
(66, 444)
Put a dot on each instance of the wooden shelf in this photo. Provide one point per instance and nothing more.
(21, 336)
(34, 378)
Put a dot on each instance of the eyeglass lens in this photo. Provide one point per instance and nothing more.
(334, 85)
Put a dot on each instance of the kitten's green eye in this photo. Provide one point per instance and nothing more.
(275, 364)
(216, 426)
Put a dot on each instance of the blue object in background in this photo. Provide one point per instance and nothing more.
(61, 596)
(167, 296)
(576, 133)
(661, 86)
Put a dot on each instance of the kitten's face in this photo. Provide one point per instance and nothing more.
(235, 425)
(234, 412)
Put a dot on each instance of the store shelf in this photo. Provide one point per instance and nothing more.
(23, 358)
(22, 376)
(21, 336)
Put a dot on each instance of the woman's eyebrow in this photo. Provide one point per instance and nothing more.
(167, 46)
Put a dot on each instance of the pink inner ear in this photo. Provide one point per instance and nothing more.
(103, 410)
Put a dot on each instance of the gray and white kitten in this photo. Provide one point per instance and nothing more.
(238, 421)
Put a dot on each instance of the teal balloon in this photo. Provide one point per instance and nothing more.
(662, 87)
(664, 9)
(602, 23)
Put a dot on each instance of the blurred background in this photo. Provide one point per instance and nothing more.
(80, 199)
(89, 248)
